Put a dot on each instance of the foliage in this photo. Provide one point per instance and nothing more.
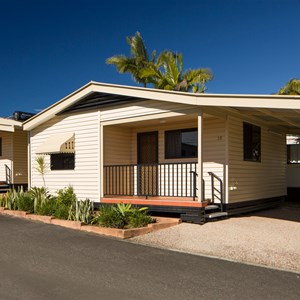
(44, 203)
(164, 72)
(2, 200)
(109, 217)
(81, 211)
(65, 198)
(139, 218)
(25, 202)
(291, 88)
(167, 73)
(41, 166)
(17, 200)
(10, 200)
(135, 62)
(122, 216)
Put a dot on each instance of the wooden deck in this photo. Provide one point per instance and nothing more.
(155, 201)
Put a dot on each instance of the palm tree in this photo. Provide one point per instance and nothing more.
(167, 73)
(137, 60)
(291, 88)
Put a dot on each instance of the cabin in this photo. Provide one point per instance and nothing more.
(168, 150)
(13, 154)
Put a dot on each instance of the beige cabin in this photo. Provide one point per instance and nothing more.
(13, 154)
(165, 149)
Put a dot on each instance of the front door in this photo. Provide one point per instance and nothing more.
(147, 149)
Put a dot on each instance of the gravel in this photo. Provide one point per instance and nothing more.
(269, 238)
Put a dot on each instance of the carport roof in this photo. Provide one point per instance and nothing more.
(275, 111)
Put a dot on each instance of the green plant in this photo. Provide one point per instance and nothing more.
(65, 198)
(41, 166)
(109, 217)
(139, 218)
(122, 216)
(44, 204)
(81, 211)
(25, 202)
(10, 200)
(2, 201)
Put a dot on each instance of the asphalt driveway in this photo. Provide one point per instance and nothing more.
(41, 261)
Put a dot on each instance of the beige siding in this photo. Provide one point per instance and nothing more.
(254, 180)
(121, 146)
(117, 145)
(20, 170)
(85, 177)
(213, 152)
(7, 153)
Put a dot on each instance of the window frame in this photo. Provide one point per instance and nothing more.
(249, 142)
(169, 155)
(62, 165)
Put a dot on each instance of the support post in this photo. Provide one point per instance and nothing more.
(200, 158)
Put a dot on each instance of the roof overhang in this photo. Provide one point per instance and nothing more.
(276, 110)
(59, 143)
(9, 125)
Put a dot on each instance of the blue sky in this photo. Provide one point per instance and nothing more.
(51, 48)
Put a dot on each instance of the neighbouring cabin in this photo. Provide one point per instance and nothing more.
(164, 149)
(293, 167)
(13, 154)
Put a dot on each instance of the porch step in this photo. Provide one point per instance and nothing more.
(214, 215)
(4, 188)
(193, 218)
(212, 207)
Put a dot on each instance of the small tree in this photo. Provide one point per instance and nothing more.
(41, 166)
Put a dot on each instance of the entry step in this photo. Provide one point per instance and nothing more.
(216, 215)
(211, 207)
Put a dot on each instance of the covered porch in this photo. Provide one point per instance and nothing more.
(168, 161)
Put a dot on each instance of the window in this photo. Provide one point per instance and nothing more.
(293, 149)
(181, 143)
(62, 161)
(252, 142)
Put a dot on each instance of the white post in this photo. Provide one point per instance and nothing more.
(200, 157)
(101, 162)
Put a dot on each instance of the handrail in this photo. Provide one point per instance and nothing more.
(7, 174)
(216, 193)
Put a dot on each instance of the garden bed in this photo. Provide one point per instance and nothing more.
(161, 223)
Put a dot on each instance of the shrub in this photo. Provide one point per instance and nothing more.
(122, 216)
(66, 196)
(25, 202)
(139, 219)
(44, 204)
(10, 199)
(63, 202)
(109, 217)
(82, 211)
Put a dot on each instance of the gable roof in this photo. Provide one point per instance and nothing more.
(284, 109)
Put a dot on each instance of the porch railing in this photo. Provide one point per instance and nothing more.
(216, 189)
(163, 179)
(7, 174)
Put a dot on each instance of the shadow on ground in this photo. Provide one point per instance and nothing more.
(288, 211)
